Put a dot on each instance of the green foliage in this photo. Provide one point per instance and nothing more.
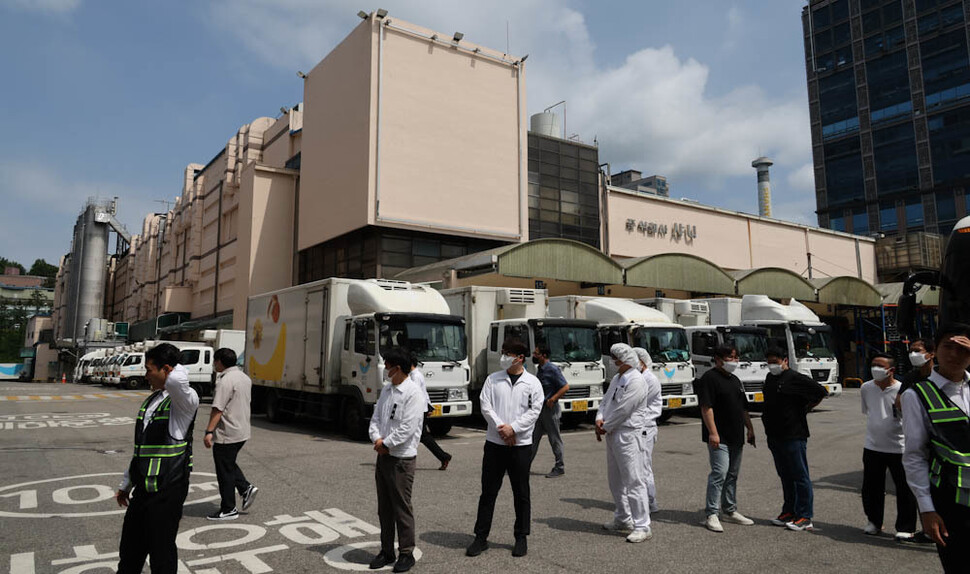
(4, 263)
(14, 314)
(42, 268)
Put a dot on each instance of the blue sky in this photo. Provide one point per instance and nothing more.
(115, 98)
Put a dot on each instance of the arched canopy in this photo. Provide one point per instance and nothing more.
(847, 290)
(679, 271)
(774, 282)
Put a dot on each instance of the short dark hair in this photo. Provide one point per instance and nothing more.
(226, 357)
(724, 350)
(414, 360)
(892, 361)
(951, 330)
(514, 346)
(928, 344)
(777, 352)
(398, 358)
(543, 349)
(164, 354)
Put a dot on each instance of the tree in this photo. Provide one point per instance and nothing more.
(42, 268)
(4, 263)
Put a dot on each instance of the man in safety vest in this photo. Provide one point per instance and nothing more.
(160, 466)
(937, 440)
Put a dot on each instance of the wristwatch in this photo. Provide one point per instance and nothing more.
(210, 432)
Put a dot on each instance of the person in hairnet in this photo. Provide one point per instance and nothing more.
(622, 420)
(653, 407)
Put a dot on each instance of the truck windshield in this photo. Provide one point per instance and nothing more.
(814, 342)
(665, 344)
(569, 343)
(751, 346)
(428, 340)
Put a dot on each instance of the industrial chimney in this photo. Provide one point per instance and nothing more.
(762, 164)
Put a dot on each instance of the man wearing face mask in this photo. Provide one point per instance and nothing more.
(921, 352)
(884, 450)
(395, 430)
(789, 395)
(622, 419)
(510, 401)
(554, 386)
(653, 406)
(724, 412)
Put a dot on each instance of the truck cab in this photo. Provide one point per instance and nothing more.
(131, 370)
(574, 348)
(437, 341)
(796, 328)
(197, 360)
(751, 343)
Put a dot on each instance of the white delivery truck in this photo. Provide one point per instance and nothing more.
(495, 314)
(796, 328)
(130, 372)
(315, 349)
(624, 321)
(751, 343)
(84, 369)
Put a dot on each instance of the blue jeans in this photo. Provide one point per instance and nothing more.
(722, 483)
(791, 463)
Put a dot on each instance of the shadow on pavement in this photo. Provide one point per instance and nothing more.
(573, 525)
(854, 535)
(589, 503)
(849, 482)
(455, 540)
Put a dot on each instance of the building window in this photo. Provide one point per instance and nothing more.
(946, 207)
(946, 68)
(894, 151)
(860, 221)
(843, 172)
(950, 145)
(914, 213)
(837, 223)
(887, 216)
(837, 104)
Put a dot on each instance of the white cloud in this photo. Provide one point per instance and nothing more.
(733, 32)
(651, 110)
(43, 6)
(803, 179)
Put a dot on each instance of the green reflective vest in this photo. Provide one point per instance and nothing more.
(159, 459)
(949, 441)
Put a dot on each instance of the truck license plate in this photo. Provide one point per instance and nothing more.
(435, 411)
(759, 397)
(580, 406)
(674, 403)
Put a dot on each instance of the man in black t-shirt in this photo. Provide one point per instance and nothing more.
(789, 395)
(724, 411)
(921, 352)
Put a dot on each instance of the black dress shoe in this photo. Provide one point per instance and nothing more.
(404, 562)
(381, 560)
(478, 546)
(521, 547)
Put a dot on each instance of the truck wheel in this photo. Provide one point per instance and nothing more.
(132, 383)
(439, 428)
(353, 419)
(274, 407)
(665, 416)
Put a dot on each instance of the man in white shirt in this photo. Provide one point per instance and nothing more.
(935, 417)
(510, 401)
(160, 466)
(427, 439)
(884, 450)
(654, 407)
(623, 418)
(227, 432)
(395, 430)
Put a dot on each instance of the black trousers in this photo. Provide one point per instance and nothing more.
(228, 473)
(428, 440)
(874, 465)
(151, 525)
(497, 461)
(955, 557)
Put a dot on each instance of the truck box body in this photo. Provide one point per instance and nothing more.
(751, 343)
(495, 314)
(796, 328)
(322, 342)
(625, 321)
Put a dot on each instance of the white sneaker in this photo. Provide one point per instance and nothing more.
(871, 529)
(640, 535)
(713, 524)
(617, 526)
(738, 518)
(905, 536)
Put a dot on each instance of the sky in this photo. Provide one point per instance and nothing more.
(115, 98)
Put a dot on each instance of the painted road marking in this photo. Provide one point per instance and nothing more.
(138, 394)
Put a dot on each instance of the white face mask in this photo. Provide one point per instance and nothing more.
(775, 369)
(729, 366)
(387, 375)
(879, 373)
(506, 362)
(917, 359)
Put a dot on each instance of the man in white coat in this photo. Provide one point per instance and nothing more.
(622, 419)
(654, 406)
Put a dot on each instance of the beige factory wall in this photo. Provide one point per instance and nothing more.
(734, 240)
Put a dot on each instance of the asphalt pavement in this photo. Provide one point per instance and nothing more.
(63, 448)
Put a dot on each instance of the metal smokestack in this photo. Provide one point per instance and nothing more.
(762, 164)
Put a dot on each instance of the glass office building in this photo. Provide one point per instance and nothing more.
(889, 95)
